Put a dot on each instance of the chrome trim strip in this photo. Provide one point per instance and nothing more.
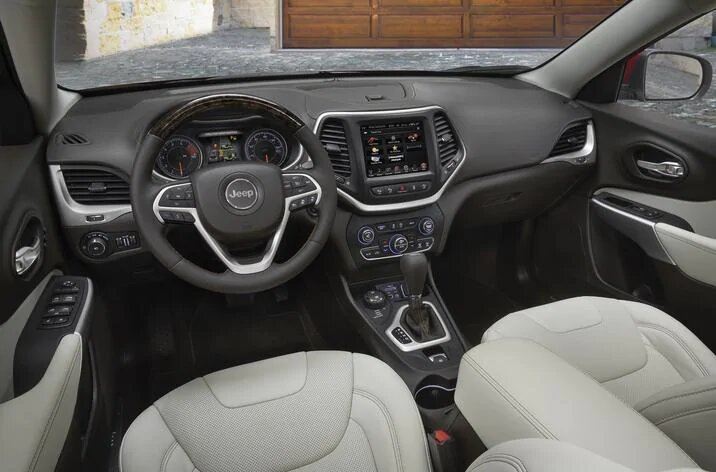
(75, 214)
(586, 152)
(388, 207)
(650, 224)
(414, 345)
(225, 257)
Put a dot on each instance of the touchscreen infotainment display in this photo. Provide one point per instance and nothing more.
(394, 148)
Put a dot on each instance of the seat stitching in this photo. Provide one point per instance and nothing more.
(683, 395)
(504, 458)
(384, 409)
(526, 414)
(167, 455)
(53, 414)
(375, 466)
(680, 342)
(685, 413)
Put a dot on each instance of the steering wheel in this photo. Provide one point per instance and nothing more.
(234, 203)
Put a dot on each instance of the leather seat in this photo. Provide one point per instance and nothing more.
(315, 411)
(645, 357)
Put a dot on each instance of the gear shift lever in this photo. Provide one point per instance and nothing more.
(414, 267)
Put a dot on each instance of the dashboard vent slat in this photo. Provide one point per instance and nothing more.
(447, 140)
(572, 140)
(333, 138)
(96, 187)
(73, 139)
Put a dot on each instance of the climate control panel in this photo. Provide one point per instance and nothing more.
(377, 238)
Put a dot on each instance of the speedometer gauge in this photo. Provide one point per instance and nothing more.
(179, 157)
(268, 146)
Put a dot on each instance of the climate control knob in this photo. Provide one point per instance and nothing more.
(366, 235)
(398, 244)
(426, 226)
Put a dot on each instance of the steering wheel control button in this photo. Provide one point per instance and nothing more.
(426, 226)
(179, 196)
(177, 217)
(366, 235)
(398, 244)
(241, 194)
(296, 185)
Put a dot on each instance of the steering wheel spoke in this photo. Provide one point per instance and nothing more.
(175, 204)
(300, 190)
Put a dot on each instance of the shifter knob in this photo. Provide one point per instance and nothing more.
(414, 267)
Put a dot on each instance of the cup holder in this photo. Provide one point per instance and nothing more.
(435, 392)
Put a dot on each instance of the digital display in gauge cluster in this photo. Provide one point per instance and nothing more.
(222, 148)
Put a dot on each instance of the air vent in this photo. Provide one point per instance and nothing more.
(96, 187)
(572, 140)
(447, 140)
(73, 139)
(333, 138)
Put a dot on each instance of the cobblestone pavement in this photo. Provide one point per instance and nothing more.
(249, 52)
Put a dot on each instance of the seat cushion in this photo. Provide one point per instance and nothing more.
(543, 455)
(632, 349)
(315, 411)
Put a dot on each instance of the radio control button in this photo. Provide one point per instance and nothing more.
(366, 235)
(426, 226)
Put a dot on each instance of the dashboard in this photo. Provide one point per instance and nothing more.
(413, 158)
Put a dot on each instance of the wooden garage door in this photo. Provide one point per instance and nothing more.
(439, 23)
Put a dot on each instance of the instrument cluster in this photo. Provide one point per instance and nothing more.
(184, 153)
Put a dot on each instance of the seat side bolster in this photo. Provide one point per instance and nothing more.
(687, 413)
(542, 455)
(689, 356)
(514, 389)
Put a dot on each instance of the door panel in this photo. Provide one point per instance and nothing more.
(655, 241)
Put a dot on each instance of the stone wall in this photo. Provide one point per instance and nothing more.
(255, 14)
(692, 37)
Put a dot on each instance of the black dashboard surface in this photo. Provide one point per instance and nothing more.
(504, 123)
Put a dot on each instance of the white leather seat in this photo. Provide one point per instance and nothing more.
(645, 357)
(315, 411)
(544, 455)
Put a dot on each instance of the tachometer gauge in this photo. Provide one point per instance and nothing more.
(268, 146)
(179, 157)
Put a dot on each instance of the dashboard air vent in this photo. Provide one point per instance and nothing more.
(73, 139)
(333, 138)
(572, 140)
(447, 141)
(96, 187)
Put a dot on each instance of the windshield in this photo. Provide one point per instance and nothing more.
(112, 42)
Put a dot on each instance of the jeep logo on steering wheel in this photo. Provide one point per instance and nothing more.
(241, 194)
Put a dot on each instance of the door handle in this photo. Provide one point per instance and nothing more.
(27, 256)
(670, 169)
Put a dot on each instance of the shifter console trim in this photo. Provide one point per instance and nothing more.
(414, 345)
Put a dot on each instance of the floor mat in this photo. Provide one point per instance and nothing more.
(475, 307)
(223, 336)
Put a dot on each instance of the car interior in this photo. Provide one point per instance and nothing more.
(487, 269)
